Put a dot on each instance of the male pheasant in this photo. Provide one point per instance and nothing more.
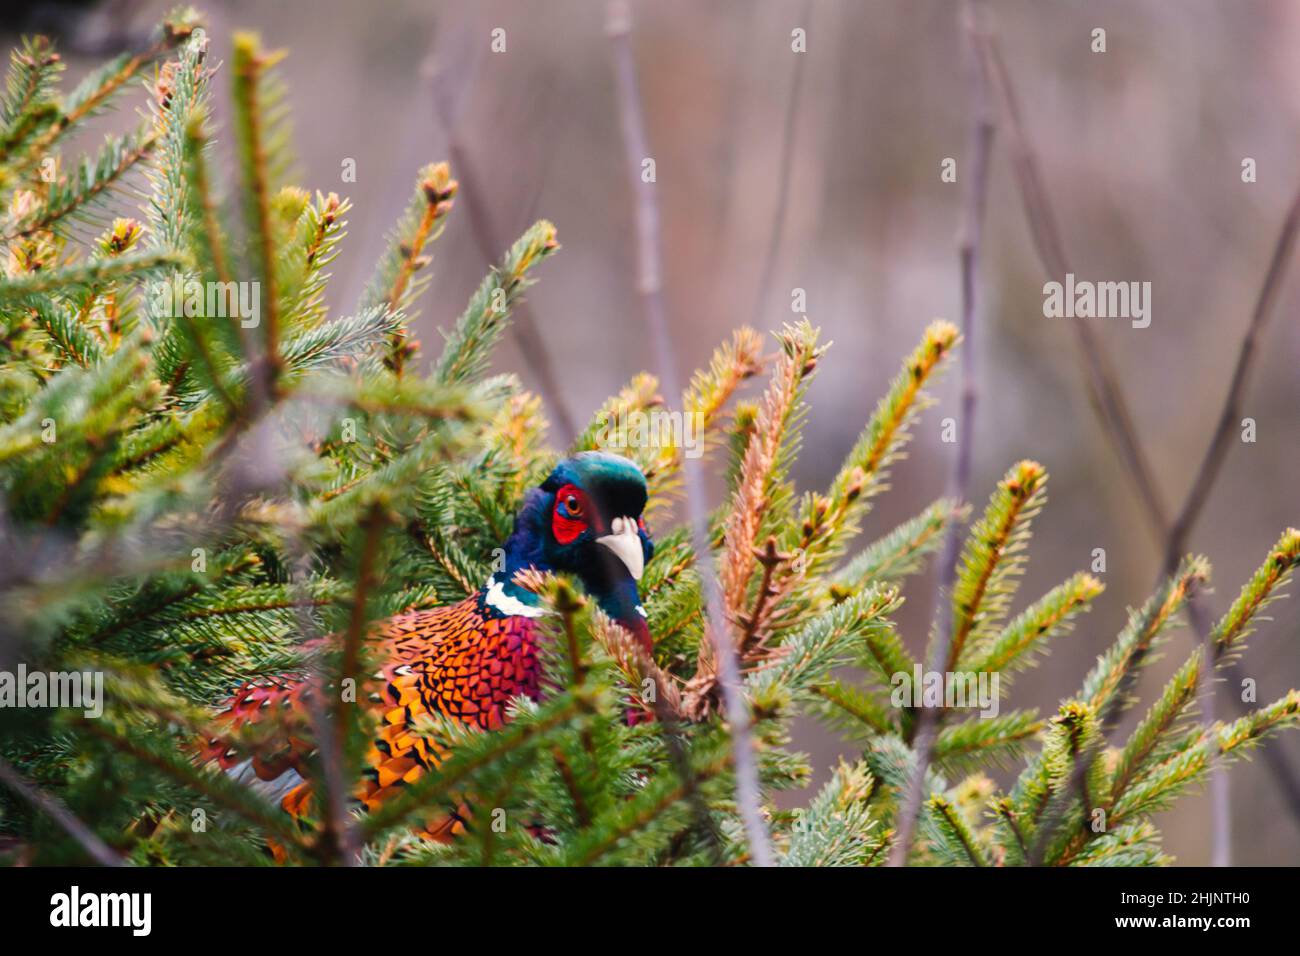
(466, 660)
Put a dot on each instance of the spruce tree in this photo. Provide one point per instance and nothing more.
(194, 494)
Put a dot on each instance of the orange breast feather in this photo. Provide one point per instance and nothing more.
(460, 661)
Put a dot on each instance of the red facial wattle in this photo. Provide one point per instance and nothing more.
(569, 517)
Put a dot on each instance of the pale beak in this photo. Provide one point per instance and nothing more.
(625, 541)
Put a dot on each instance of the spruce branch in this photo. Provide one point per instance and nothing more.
(75, 279)
(95, 91)
(1151, 737)
(1269, 578)
(992, 560)
(852, 710)
(89, 187)
(34, 70)
(394, 285)
(1082, 722)
(637, 666)
(756, 491)
(1076, 783)
(330, 345)
(1105, 689)
(210, 239)
(639, 395)
(253, 99)
(808, 655)
(465, 354)
(955, 834)
(1016, 850)
(180, 105)
(731, 365)
(1052, 614)
(161, 596)
(865, 470)
(837, 829)
(662, 796)
(1192, 760)
(993, 740)
(886, 656)
(900, 552)
(893, 762)
(69, 335)
(1151, 732)
(1130, 844)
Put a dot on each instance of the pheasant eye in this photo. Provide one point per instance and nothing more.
(567, 521)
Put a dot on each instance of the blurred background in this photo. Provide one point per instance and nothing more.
(1141, 149)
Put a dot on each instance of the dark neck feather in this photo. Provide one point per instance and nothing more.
(622, 602)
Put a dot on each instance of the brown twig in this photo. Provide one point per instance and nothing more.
(1221, 441)
(1206, 475)
(650, 288)
(1109, 405)
(531, 343)
(783, 173)
(753, 634)
(981, 143)
(52, 807)
(1103, 384)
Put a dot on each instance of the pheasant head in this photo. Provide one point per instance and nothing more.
(585, 520)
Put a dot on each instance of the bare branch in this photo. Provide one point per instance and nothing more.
(531, 343)
(1206, 475)
(52, 807)
(1217, 452)
(783, 174)
(1103, 384)
(1107, 400)
(650, 289)
(981, 143)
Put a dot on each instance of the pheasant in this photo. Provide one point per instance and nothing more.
(467, 660)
